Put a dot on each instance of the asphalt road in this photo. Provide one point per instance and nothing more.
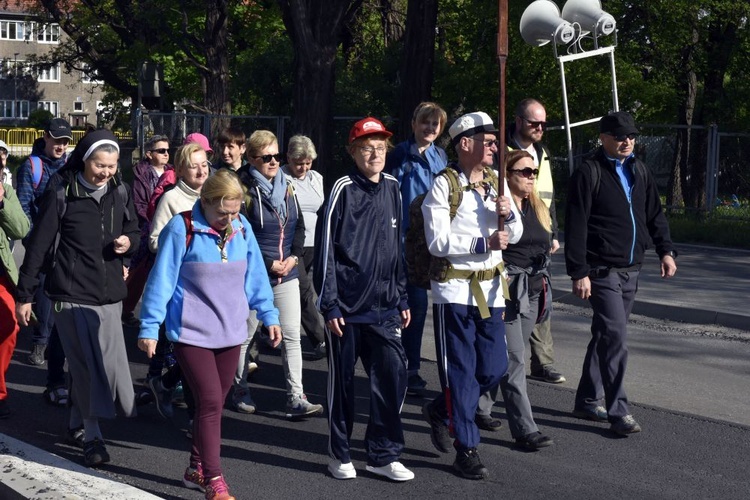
(687, 384)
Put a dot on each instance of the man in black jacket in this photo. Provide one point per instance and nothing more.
(613, 208)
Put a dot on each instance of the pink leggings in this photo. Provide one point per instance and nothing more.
(209, 373)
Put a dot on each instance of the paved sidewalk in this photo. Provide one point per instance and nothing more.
(712, 286)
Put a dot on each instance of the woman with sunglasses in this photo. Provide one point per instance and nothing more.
(146, 175)
(527, 264)
(276, 219)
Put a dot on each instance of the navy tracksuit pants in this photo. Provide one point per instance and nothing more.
(379, 347)
(472, 358)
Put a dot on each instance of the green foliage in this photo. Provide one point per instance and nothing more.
(713, 230)
(38, 118)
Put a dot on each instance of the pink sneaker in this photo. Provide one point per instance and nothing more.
(217, 489)
(194, 479)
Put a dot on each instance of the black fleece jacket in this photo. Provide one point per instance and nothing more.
(604, 229)
(87, 270)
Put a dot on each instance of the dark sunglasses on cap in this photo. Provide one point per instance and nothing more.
(621, 138)
(534, 124)
(267, 158)
(526, 172)
(161, 151)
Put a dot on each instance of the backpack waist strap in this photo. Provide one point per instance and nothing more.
(474, 278)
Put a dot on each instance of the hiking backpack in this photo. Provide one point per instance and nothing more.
(421, 265)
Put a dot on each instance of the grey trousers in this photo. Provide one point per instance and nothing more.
(606, 358)
(94, 344)
(513, 385)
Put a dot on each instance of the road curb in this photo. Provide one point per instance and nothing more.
(29, 472)
(668, 312)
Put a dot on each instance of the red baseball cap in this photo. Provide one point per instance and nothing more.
(367, 126)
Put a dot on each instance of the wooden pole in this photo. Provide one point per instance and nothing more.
(502, 57)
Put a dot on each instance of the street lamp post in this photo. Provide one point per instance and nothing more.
(15, 87)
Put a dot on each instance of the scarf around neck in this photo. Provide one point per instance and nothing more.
(274, 190)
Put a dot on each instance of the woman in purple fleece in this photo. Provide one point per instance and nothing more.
(205, 275)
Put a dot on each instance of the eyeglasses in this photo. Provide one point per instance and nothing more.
(488, 143)
(621, 138)
(526, 172)
(161, 151)
(268, 158)
(368, 150)
(534, 124)
(3, 152)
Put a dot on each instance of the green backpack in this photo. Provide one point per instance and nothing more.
(421, 266)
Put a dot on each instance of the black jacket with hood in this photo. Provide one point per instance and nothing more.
(86, 268)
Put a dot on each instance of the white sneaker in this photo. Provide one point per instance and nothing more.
(342, 471)
(394, 471)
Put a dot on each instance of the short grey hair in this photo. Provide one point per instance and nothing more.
(300, 148)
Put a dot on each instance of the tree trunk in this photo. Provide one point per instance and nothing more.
(417, 60)
(315, 29)
(678, 182)
(216, 76)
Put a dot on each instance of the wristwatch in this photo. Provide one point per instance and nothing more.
(671, 253)
(296, 260)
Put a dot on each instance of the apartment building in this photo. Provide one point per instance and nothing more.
(23, 87)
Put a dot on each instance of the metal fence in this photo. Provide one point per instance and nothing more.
(721, 158)
(724, 156)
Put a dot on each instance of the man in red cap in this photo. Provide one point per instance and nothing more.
(361, 284)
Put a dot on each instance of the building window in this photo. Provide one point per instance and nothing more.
(9, 68)
(19, 110)
(51, 106)
(50, 73)
(89, 76)
(78, 106)
(14, 30)
(48, 33)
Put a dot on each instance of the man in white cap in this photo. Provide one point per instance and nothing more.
(469, 294)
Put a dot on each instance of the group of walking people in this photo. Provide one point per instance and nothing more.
(191, 241)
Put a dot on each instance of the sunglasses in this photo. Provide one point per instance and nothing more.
(526, 172)
(534, 124)
(267, 158)
(161, 151)
(488, 143)
(621, 138)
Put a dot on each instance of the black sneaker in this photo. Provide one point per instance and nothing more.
(36, 356)
(467, 464)
(595, 414)
(625, 425)
(439, 433)
(4, 408)
(548, 374)
(95, 453)
(487, 423)
(76, 437)
(162, 397)
(415, 385)
(534, 441)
